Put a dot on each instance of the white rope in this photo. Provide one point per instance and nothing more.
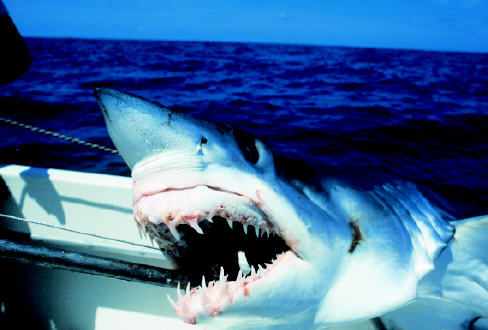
(58, 135)
(12, 217)
(73, 140)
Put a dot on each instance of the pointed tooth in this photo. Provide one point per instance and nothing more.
(204, 285)
(197, 228)
(209, 219)
(267, 232)
(178, 291)
(203, 291)
(239, 276)
(260, 268)
(171, 301)
(221, 277)
(188, 289)
(174, 232)
(253, 271)
(256, 229)
(244, 225)
(229, 222)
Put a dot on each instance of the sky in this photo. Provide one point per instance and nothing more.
(448, 25)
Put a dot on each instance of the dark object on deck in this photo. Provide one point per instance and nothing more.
(15, 59)
(32, 253)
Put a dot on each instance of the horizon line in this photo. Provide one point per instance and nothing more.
(284, 43)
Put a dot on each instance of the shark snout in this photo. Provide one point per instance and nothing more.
(140, 128)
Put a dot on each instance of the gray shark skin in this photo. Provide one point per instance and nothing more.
(277, 253)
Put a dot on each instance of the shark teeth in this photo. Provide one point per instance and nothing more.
(164, 232)
(174, 232)
(212, 298)
(204, 285)
(197, 228)
(172, 302)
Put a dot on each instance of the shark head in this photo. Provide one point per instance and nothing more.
(257, 247)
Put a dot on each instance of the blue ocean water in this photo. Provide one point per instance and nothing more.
(371, 115)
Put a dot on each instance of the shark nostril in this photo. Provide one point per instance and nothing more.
(105, 112)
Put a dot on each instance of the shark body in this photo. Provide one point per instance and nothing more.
(265, 251)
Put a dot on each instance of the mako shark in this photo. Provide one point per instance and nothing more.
(265, 251)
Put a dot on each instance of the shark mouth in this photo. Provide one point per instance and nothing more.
(221, 240)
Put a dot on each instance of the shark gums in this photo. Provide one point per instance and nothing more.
(265, 251)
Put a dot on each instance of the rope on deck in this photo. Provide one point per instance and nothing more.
(24, 220)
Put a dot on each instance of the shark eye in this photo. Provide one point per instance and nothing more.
(247, 145)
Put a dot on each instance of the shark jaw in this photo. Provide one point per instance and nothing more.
(220, 230)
